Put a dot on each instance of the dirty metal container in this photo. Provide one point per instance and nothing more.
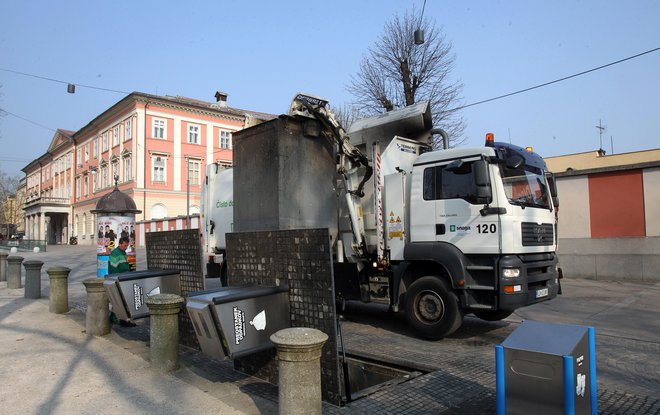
(285, 177)
(236, 321)
(128, 291)
(547, 368)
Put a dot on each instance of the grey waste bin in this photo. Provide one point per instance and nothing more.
(128, 291)
(547, 368)
(235, 321)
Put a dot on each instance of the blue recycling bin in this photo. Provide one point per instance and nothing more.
(547, 368)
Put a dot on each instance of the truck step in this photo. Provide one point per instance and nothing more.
(480, 267)
(480, 287)
(481, 307)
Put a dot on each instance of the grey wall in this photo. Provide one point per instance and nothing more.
(631, 259)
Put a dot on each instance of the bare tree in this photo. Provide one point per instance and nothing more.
(11, 204)
(396, 73)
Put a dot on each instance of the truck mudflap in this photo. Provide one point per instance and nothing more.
(537, 281)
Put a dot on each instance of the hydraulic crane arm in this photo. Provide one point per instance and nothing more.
(350, 159)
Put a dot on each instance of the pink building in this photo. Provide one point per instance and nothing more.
(157, 146)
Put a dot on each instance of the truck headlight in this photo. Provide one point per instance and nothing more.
(510, 272)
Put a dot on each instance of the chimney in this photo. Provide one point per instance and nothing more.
(221, 98)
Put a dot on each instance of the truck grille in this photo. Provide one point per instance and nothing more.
(534, 234)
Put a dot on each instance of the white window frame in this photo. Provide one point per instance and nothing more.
(225, 139)
(159, 158)
(95, 148)
(194, 169)
(128, 129)
(126, 161)
(77, 187)
(87, 152)
(159, 128)
(194, 131)
(79, 157)
(115, 136)
(105, 142)
(85, 184)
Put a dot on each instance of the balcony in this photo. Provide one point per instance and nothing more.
(50, 201)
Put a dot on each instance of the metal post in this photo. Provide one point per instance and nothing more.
(299, 355)
(14, 271)
(59, 289)
(97, 317)
(164, 335)
(32, 279)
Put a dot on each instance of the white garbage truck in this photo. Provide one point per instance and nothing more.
(437, 234)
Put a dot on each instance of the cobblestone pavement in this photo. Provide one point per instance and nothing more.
(458, 373)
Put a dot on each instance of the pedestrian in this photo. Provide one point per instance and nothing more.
(117, 263)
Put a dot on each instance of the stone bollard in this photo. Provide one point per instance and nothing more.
(97, 317)
(14, 271)
(164, 337)
(32, 278)
(3, 266)
(59, 289)
(299, 355)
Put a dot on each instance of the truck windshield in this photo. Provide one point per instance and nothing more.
(526, 187)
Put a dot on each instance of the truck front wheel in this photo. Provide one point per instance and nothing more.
(432, 308)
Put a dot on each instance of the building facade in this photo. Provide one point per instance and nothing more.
(609, 227)
(155, 147)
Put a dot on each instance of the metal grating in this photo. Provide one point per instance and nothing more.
(534, 234)
(180, 250)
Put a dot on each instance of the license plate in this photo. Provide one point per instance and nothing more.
(543, 292)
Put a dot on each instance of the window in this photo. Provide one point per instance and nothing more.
(104, 176)
(225, 139)
(127, 168)
(77, 187)
(87, 152)
(115, 136)
(158, 211)
(158, 173)
(95, 150)
(193, 134)
(128, 133)
(193, 172)
(159, 128)
(94, 181)
(115, 171)
(459, 183)
(78, 157)
(86, 185)
(105, 141)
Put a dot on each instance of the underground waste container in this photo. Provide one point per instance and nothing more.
(547, 368)
(235, 321)
(127, 291)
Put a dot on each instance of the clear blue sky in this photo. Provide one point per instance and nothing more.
(263, 52)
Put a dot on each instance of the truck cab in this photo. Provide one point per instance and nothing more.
(483, 219)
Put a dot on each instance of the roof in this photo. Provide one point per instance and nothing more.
(598, 159)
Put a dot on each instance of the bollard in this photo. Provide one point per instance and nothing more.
(164, 336)
(32, 279)
(3, 266)
(59, 289)
(14, 271)
(97, 317)
(299, 356)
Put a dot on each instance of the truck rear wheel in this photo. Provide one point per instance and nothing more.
(432, 308)
(495, 315)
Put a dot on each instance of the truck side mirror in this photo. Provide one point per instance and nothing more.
(481, 176)
(552, 184)
(482, 180)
